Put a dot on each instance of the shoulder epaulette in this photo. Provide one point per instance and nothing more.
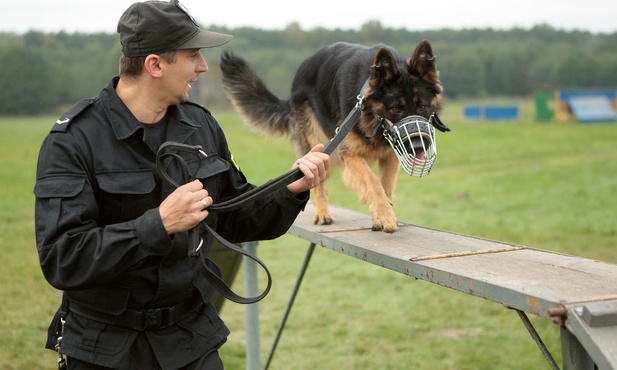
(63, 122)
(199, 105)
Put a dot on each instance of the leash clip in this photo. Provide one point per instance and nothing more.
(360, 103)
(360, 97)
(62, 364)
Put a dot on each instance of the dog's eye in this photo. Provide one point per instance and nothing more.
(421, 108)
(395, 110)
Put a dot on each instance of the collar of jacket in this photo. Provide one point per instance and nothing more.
(124, 124)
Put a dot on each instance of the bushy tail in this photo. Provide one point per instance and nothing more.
(257, 105)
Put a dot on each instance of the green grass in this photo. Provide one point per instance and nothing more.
(542, 185)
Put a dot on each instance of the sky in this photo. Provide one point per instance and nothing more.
(87, 16)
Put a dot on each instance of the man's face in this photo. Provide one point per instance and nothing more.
(179, 75)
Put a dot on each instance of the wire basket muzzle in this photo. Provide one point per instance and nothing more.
(413, 141)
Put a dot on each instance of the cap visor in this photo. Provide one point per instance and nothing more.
(206, 39)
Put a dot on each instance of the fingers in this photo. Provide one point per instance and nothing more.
(317, 148)
(317, 162)
(314, 166)
(314, 171)
(194, 195)
(185, 207)
(206, 202)
(194, 185)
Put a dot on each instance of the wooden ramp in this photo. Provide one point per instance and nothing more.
(579, 294)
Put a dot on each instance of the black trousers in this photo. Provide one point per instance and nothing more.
(145, 359)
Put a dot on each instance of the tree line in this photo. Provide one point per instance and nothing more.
(47, 72)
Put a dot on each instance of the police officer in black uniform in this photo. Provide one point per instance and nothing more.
(114, 237)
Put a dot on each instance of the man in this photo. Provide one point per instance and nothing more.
(114, 237)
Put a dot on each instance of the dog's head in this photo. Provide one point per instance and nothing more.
(402, 101)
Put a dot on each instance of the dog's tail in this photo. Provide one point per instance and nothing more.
(257, 105)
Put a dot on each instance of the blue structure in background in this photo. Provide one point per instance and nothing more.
(590, 105)
(491, 112)
(567, 94)
(472, 112)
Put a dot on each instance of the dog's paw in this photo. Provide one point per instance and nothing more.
(386, 225)
(319, 219)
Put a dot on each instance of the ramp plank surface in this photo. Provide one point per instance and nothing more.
(520, 277)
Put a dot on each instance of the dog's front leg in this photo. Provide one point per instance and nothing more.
(388, 172)
(359, 176)
(322, 214)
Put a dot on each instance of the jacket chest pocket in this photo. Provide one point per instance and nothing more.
(125, 195)
(210, 173)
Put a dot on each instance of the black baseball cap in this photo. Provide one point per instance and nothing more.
(155, 27)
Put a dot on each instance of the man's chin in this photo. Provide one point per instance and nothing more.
(183, 98)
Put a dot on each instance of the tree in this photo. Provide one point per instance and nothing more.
(26, 81)
(42, 72)
(462, 73)
(372, 33)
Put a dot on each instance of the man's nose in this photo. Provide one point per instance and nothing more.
(202, 65)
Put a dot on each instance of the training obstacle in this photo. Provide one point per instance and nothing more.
(491, 112)
(578, 294)
(586, 106)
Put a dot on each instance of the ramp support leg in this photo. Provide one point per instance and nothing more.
(294, 293)
(253, 361)
(575, 357)
(536, 337)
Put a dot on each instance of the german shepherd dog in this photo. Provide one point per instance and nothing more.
(324, 90)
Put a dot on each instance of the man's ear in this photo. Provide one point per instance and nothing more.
(152, 64)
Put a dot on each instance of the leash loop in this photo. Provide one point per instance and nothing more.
(196, 241)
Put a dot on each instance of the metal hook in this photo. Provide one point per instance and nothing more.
(201, 242)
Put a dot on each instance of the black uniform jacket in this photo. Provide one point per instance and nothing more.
(100, 237)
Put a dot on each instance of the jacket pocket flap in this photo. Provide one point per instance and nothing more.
(59, 186)
(211, 166)
(127, 182)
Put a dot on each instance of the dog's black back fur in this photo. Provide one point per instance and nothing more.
(331, 80)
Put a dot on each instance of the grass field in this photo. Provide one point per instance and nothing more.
(541, 185)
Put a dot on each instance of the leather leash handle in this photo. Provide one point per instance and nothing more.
(195, 239)
(218, 284)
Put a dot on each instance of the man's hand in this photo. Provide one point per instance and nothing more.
(314, 166)
(185, 207)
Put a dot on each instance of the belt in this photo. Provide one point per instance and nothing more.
(150, 319)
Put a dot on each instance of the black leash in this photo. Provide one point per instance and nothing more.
(170, 149)
(196, 241)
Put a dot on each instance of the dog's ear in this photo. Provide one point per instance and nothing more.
(384, 69)
(422, 63)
